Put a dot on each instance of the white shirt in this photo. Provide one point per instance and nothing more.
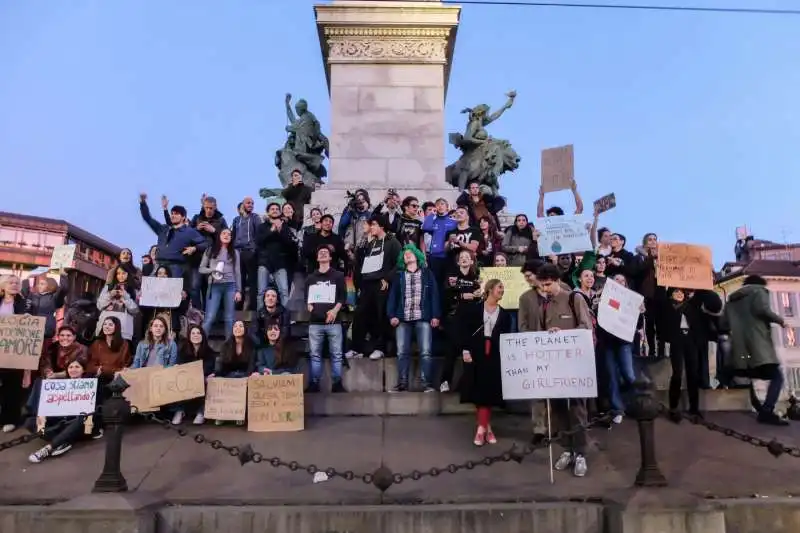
(489, 320)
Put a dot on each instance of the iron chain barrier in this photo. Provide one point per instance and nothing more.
(24, 439)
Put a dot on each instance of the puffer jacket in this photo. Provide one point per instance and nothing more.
(46, 305)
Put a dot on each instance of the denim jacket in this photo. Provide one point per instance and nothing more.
(166, 354)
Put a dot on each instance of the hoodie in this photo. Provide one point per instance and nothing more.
(323, 280)
(438, 226)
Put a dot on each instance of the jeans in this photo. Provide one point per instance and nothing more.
(773, 374)
(281, 280)
(248, 266)
(317, 333)
(198, 281)
(423, 332)
(220, 295)
(619, 362)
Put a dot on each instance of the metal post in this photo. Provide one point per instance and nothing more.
(116, 411)
(646, 411)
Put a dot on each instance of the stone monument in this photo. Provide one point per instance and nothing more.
(306, 146)
(387, 66)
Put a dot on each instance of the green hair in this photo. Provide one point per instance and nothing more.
(401, 264)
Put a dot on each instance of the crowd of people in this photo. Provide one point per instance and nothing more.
(402, 271)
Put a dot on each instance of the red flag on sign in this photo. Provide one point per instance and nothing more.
(613, 304)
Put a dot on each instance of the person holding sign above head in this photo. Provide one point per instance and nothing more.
(118, 299)
(157, 348)
(194, 348)
(12, 392)
(414, 307)
(563, 310)
(326, 294)
(556, 211)
(221, 263)
(237, 358)
(481, 327)
(62, 437)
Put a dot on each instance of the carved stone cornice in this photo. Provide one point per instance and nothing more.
(381, 45)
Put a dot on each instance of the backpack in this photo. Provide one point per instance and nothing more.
(82, 316)
(193, 317)
(572, 296)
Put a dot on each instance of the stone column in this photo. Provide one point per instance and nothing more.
(387, 65)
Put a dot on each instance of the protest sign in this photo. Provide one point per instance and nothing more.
(138, 391)
(687, 266)
(618, 310)
(176, 384)
(563, 235)
(226, 398)
(540, 365)
(67, 397)
(558, 168)
(742, 232)
(21, 338)
(62, 257)
(605, 203)
(275, 403)
(161, 292)
(513, 282)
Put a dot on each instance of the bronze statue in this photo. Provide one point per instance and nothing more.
(483, 158)
(306, 146)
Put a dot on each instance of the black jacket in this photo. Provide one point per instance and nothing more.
(275, 248)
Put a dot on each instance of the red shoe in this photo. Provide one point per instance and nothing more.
(490, 438)
(480, 436)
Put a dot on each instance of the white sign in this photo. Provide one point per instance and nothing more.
(161, 292)
(322, 293)
(62, 257)
(619, 309)
(67, 397)
(563, 235)
(540, 365)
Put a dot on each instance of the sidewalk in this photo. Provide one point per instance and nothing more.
(157, 461)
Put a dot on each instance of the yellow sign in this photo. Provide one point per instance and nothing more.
(513, 282)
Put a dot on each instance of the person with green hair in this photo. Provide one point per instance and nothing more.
(413, 307)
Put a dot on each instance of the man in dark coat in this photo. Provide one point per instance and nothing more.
(748, 317)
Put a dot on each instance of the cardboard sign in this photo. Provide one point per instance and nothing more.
(226, 399)
(540, 365)
(619, 309)
(558, 168)
(161, 292)
(138, 391)
(563, 235)
(176, 384)
(687, 266)
(742, 232)
(62, 257)
(21, 338)
(607, 202)
(513, 282)
(275, 403)
(67, 397)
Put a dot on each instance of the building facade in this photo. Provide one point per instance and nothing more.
(27, 242)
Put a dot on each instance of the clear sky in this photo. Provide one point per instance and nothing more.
(692, 119)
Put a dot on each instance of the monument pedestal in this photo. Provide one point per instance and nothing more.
(387, 65)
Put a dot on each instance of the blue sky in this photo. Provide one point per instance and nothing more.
(691, 119)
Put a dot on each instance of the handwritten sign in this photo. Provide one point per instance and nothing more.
(138, 391)
(539, 365)
(618, 310)
(563, 235)
(275, 403)
(62, 257)
(21, 338)
(161, 292)
(513, 282)
(176, 384)
(605, 203)
(67, 397)
(558, 168)
(742, 232)
(226, 398)
(687, 266)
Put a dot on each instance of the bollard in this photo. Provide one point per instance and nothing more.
(116, 411)
(645, 410)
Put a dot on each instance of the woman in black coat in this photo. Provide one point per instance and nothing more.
(481, 328)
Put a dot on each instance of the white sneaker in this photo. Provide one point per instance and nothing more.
(61, 450)
(377, 354)
(580, 468)
(8, 428)
(564, 461)
(617, 419)
(177, 419)
(40, 455)
(352, 354)
(199, 420)
(444, 387)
